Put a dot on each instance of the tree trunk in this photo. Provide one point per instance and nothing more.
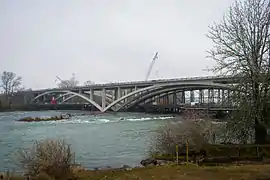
(260, 133)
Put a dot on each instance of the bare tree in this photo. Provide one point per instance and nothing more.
(72, 82)
(10, 82)
(88, 83)
(242, 48)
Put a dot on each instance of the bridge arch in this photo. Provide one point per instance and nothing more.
(152, 94)
(73, 93)
(162, 86)
(148, 96)
(108, 97)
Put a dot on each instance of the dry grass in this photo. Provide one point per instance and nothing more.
(246, 172)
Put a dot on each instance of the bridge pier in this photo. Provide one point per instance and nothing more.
(183, 97)
(192, 99)
(211, 95)
(174, 99)
(201, 96)
(91, 94)
(218, 100)
(222, 97)
(228, 97)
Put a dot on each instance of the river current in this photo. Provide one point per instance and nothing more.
(112, 139)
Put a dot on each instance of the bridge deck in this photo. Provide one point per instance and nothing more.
(215, 79)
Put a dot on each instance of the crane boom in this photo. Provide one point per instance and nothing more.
(151, 66)
(59, 78)
(61, 81)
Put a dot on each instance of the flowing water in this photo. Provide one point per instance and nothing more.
(98, 140)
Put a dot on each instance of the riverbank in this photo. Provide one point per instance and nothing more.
(174, 172)
(184, 172)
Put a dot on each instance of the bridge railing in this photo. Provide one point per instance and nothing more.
(144, 82)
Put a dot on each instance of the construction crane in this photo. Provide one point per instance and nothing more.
(151, 66)
(61, 81)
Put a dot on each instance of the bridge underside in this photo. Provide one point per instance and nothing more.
(123, 99)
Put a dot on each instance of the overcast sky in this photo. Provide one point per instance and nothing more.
(105, 40)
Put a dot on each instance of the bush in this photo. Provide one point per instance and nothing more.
(197, 133)
(51, 157)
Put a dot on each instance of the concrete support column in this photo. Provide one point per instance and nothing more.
(229, 98)
(44, 98)
(174, 99)
(103, 98)
(115, 94)
(218, 98)
(91, 94)
(201, 96)
(212, 95)
(125, 93)
(222, 96)
(208, 96)
(167, 98)
(183, 97)
(135, 89)
(192, 99)
(158, 99)
(119, 95)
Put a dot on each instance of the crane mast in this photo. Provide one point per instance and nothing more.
(151, 66)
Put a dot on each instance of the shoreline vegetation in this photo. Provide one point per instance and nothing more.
(166, 172)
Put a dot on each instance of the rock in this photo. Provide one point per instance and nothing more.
(126, 167)
(38, 119)
(149, 161)
(105, 168)
(163, 162)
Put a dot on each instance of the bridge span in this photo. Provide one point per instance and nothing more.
(211, 90)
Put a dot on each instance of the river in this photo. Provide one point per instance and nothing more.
(114, 139)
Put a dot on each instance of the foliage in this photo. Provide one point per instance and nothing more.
(242, 49)
(51, 157)
(10, 82)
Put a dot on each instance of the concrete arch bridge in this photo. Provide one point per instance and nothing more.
(204, 93)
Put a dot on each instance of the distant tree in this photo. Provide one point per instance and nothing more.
(242, 48)
(10, 82)
(88, 83)
(72, 82)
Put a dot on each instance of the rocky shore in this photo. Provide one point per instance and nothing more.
(52, 118)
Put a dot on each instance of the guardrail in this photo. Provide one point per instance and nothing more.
(142, 82)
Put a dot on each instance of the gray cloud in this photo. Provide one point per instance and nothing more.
(105, 40)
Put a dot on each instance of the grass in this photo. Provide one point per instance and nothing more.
(248, 172)
(190, 172)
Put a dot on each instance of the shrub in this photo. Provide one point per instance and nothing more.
(177, 132)
(51, 157)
